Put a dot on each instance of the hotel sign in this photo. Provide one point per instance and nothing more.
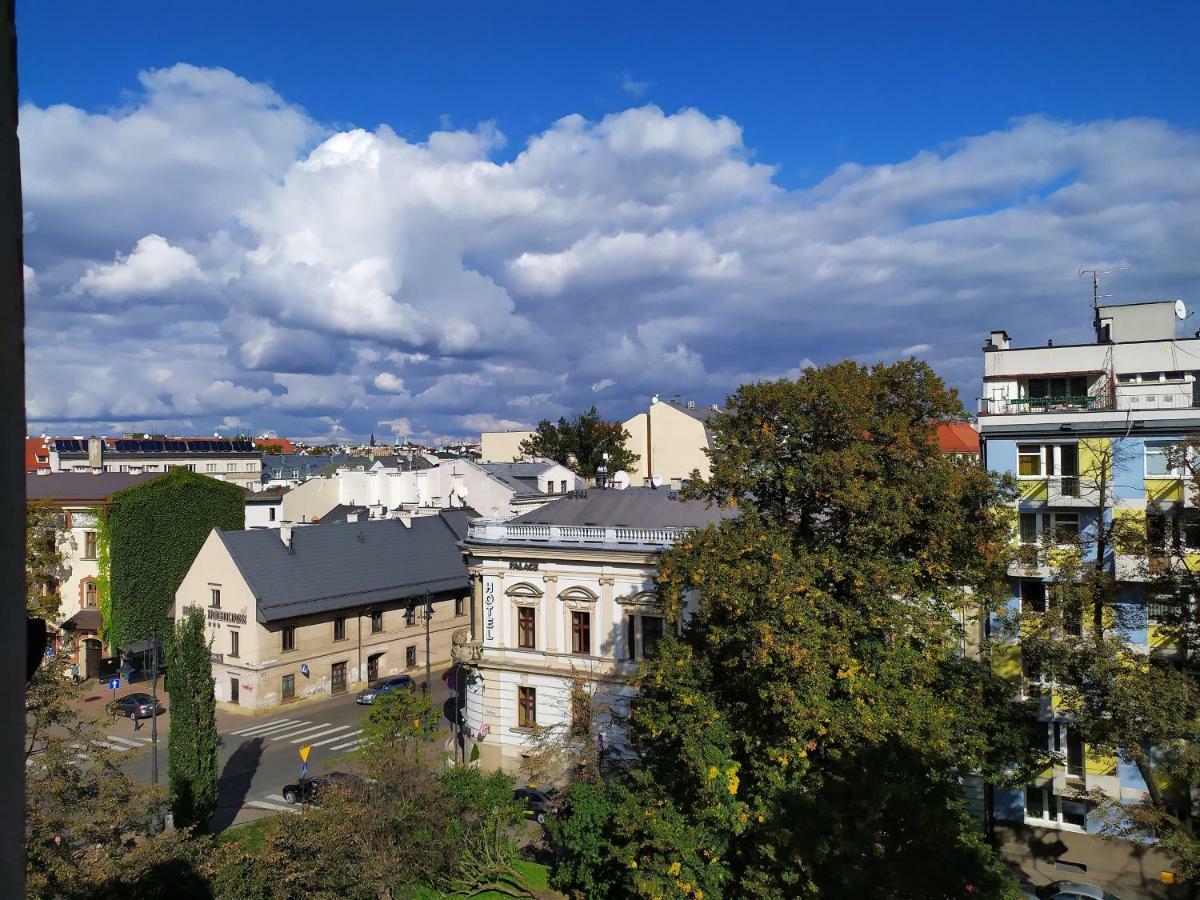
(489, 610)
(224, 615)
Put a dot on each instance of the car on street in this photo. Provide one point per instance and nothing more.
(381, 686)
(310, 790)
(1069, 890)
(137, 705)
(538, 802)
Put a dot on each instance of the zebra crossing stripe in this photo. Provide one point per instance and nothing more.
(277, 729)
(121, 743)
(273, 807)
(348, 745)
(339, 737)
(267, 725)
(301, 740)
(292, 732)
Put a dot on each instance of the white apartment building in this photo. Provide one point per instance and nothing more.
(566, 590)
(227, 460)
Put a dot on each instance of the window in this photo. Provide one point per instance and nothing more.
(581, 632)
(339, 628)
(210, 467)
(271, 514)
(1029, 460)
(526, 707)
(652, 632)
(564, 486)
(1035, 803)
(90, 594)
(215, 599)
(288, 634)
(1053, 389)
(1172, 532)
(376, 621)
(410, 656)
(1068, 742)
(1033, 597)
(1162, 461)
(1049, 528)
(1042, 805)
(460, 605)
(526, 627)
(89, 545)
(231, 467)
(288, 687)
(410, 616)
(233, 643)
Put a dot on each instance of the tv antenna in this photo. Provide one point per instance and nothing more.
(1095, 274)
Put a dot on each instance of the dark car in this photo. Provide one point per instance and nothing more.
(310, 789)
(538, 802)
(385, 685)
(138, 705)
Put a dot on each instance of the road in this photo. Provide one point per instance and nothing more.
(259, 753)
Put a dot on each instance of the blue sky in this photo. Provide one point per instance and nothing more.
(733, 181)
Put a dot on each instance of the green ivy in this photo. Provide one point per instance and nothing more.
(104, 578)
(156, 529)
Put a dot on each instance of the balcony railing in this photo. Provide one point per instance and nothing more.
(1127, 397)
(501, 532)
(1003, 407)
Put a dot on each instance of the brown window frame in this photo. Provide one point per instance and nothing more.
(526, 628)
(89, 545)
(526, 707)
(287, 638)
(339, 628)
(376, 621)
(581, 632)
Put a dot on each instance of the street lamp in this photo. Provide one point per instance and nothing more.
(428, 601)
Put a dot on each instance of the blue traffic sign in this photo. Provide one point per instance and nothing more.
(114, 684)
(303, 771)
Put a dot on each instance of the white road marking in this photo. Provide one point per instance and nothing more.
(348, 745)
(273, 807)
(277, 730)
(267, 725)
(292, 732)
(301, 740)
(122, 743)
(340, 737)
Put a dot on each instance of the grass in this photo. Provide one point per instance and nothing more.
(537, 878)
(249, 836)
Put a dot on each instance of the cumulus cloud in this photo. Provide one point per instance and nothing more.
(227, 250)
(152, 267)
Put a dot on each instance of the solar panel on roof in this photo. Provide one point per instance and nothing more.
(242, 447)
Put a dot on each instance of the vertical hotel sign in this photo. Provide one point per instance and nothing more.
(489, 610)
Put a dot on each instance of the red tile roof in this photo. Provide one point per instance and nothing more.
(957, 437)
(276, 445)
(37, 455)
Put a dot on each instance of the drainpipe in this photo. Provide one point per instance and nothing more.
(360, 668)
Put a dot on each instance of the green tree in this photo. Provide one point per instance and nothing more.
(192, 768)
(399, 718)
(581, 442)
(156, 529)
(46, 535)
(824, 657)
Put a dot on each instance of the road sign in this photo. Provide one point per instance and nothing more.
(303, 771)
(114, 683)
(304, 751)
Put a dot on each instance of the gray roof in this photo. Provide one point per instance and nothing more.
(634, 507)
(267, 496)
(409, 462)
(334, 567)
(458, 518)
(281, 465)
(341, 511)
(519, 477)
(62, 487)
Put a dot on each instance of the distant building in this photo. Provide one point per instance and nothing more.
(958, 439)
(502, 446)
(37, 454)
(275, 445)
(79, 495)
(235, 461)
(263, 508)
(566, 590)
(308, 611)
(670, 438)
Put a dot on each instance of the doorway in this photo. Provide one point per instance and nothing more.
(91, 657)
(338, 678)
(373, 667)
(234, 689)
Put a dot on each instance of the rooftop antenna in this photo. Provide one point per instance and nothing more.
(1096, 273)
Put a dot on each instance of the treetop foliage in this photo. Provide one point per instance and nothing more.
(581, 442)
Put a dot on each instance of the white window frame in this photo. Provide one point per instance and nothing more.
(1042, 518)
(1051, 802)
(1159, 449)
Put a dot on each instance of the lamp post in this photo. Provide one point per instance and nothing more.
(428, 600)
(154, 712)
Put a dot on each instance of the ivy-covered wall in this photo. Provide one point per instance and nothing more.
(155, 530)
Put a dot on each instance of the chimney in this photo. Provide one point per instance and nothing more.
(998, 340)
(676, 484)
(285, 534)
(352, 517)
(691, 404)
(404, 517)
(96, 453)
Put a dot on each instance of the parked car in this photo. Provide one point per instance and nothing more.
(310, 789)
(538, 802)
(139, 705)
(1070, 890)
(385, 685)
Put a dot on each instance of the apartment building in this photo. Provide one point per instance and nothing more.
(305, 611)
(670, 439)
(228, 460)
(1058, 418)
(81, 496)
(565, 591)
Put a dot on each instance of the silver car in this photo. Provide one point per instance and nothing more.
(384, 685)
(1071, 890)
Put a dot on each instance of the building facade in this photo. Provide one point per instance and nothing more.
(1084, 429)
(502, 446)
(295, 612)
(564, 594)
(670, 439)
(227, 460)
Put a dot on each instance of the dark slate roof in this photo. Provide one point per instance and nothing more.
(63, 487)
(519, 477)
(345, 462)
(333, 567)
(282, 465)
(339, 513)
(84, 620)
(634, 507)
(268, 496)
(458, 518)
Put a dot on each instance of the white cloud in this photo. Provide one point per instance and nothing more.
(386, 381)
(31, 282)
(358, 277)
(634, 88)
(153, 266)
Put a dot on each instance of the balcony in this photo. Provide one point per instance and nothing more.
(1134, 397)
(1023, 405)
(491, 532)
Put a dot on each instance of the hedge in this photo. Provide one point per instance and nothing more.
(155, 530)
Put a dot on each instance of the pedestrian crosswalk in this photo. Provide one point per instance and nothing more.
(273, 803)
(123, 744)
(300, 731)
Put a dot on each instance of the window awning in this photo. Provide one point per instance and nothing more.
(84, 620)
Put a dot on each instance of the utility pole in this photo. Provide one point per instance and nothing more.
(154, 714)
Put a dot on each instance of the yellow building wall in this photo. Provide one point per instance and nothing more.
(638, 442)
(502, 446)
(1164, 489)
(677, 443)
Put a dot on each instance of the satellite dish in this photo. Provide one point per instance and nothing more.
(620, 480)
(656, 480)
(1180, 310)
(461, 491)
